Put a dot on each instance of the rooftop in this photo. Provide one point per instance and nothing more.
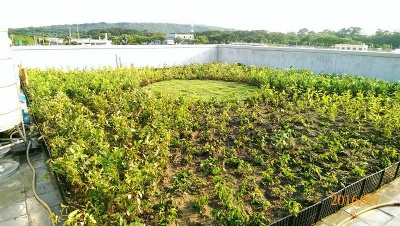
(18, 204)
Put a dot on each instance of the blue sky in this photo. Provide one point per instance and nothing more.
(276, 15)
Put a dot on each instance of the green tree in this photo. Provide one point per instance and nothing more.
(202, 39)
(308, 39)
(26, 40)
(293, 38)
(278, 37)
(178, 40)
(326, 40)
(67, 40)
(303, 32)
(386, 47)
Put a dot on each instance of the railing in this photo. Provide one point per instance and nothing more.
(316, 212)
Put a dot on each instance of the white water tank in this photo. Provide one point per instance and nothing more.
(10, 107)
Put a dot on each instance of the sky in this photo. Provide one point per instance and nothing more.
(271, 15)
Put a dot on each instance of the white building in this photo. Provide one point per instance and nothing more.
(362, 47)
(55, 41)
(81, 41)
(90, 41)
(172, 37)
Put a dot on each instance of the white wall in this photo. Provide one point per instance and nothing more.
(107, 56)
(368, 64)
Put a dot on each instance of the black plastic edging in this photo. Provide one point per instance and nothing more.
(362, 187)
(397, 171)
(318, 212)
(380, 179)
(291, 219)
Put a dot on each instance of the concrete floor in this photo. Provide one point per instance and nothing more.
(388, 216)
(18, 205)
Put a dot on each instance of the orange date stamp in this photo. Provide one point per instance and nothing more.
(344, 200)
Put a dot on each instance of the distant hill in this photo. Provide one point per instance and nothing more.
(61, 30)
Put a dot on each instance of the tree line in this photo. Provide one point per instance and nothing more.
(304, 37)
(62, 30)
(381, 39)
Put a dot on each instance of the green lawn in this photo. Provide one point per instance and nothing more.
(203, 89)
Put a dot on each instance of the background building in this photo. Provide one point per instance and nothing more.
(362, 47)
(177, 38)
(80, 41)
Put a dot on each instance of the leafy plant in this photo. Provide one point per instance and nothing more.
(199, 204)
(129, 155)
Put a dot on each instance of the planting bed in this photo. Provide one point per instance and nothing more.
(128, 154)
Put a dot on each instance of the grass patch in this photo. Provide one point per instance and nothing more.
(203, 89)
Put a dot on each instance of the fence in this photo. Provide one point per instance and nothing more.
(324, 208)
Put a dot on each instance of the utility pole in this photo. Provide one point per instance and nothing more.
(69, 40)
(77, 30)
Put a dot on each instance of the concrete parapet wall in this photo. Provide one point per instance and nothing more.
(381, 65)
(112, 56)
